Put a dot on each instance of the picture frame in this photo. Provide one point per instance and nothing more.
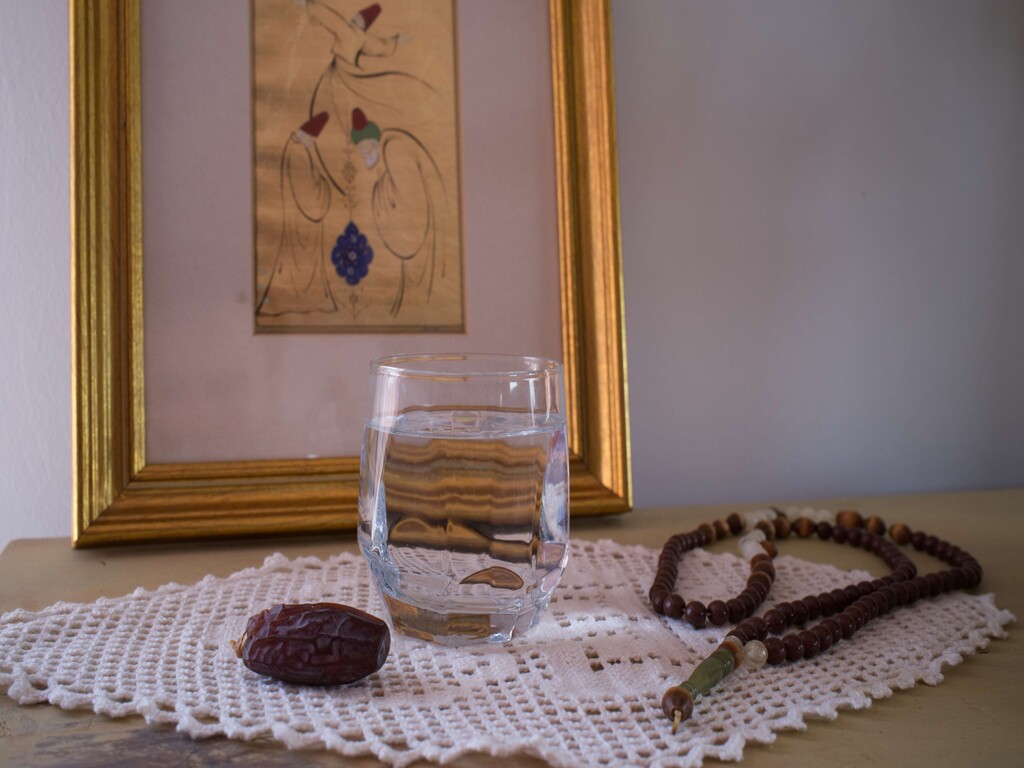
(118, 497)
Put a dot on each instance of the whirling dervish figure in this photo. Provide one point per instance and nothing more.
(360, 73)
(298, 280)
(408, 202)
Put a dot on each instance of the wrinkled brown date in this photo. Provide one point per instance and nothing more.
(314, 643)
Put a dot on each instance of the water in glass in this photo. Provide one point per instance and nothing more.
(464, 519)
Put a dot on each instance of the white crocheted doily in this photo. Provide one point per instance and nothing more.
(582, 689)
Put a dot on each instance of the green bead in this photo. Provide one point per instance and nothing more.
(710, 672)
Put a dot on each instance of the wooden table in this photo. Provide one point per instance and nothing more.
(975, 717)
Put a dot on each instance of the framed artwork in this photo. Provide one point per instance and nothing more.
(357, 200)
(140, 380)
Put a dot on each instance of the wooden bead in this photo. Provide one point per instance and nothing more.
(748, 601)
(875, 525)
(759, 590)
(824, 637)
(718, 612)
(857, 613)
(794, 647)
(881, 601)
(782, 527)
(846, 624)
(900, 533)
(664, 583)
(766, 528)
(800, 612)
(805, 527)
(695, 614)
(934, 583)
(759, 626)
(811, 643)
(736, 610)
(677, 702)
(722, 529)
(902, 592)
(849, 518)
(776, 650)
(839, 599)
(768, 547)
(673, 606)
(735, 523)
(878, 604)
(742, 633)
(834, 629)
(708, 530)
(973, 576)
(813, 606)
(827, 603)
(657, 598)
(787, 611)
(760, 577)
(776, 620)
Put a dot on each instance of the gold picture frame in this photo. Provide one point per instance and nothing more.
(119, 498)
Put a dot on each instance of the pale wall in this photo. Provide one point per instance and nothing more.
(823, 227)
(822, 230)
(35, 362)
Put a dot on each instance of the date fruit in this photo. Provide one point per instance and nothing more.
(314, 643)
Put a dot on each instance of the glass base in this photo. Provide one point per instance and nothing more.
(456, 629)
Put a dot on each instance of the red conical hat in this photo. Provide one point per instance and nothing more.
(315, 124)
(370, 14)
(358, 119)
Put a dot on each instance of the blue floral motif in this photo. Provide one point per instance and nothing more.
(352, 255)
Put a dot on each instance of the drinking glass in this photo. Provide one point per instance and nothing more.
(464, 493)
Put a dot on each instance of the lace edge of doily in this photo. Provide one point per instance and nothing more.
(19, 686)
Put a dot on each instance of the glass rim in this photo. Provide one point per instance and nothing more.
(510, 366)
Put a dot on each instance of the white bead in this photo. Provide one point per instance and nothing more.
(756, 516)
(755, 654)
(750, 548)
(824, 516)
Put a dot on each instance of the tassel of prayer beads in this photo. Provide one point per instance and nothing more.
(677, 703)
